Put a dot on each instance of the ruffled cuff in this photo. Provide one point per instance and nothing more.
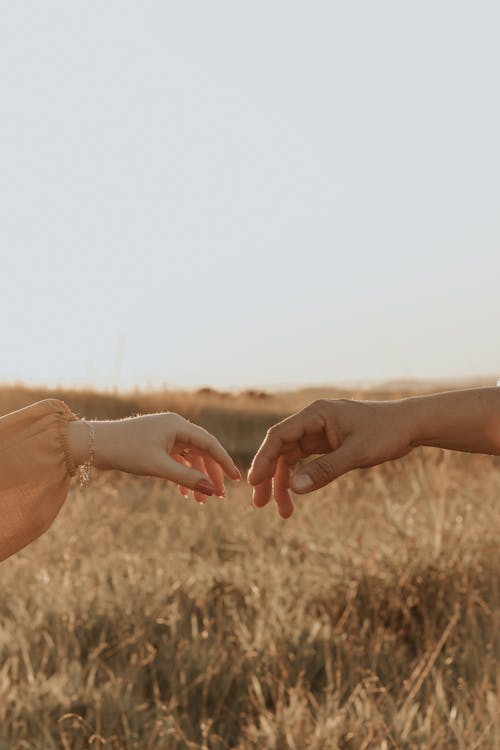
(36, 467)
(26, 425)
(64, 415)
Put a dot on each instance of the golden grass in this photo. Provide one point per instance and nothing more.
(368, 620)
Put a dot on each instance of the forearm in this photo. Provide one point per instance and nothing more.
(465, 420)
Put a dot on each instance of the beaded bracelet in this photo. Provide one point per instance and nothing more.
(86, 467)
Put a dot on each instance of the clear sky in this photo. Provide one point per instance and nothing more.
(260, 193)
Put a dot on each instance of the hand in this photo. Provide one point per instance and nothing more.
(163, 445)
(346, 434)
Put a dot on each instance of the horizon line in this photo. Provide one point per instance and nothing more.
(363, 384)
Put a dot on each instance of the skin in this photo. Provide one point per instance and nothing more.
(163, 445)
(348, 435)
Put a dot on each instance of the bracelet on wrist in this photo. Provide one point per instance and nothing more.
(85, 469)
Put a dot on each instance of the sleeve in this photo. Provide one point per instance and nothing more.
(36, 467)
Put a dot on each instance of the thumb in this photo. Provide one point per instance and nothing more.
(186, 476)
(325, 469)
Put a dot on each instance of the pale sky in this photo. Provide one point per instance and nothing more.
(259, 193)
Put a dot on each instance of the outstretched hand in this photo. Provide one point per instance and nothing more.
(345, 434)
(163, 445)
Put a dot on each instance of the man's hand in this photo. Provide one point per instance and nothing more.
(346, 434)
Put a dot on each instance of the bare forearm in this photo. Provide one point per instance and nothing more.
(466, 420)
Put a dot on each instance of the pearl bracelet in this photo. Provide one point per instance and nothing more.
(86, 467)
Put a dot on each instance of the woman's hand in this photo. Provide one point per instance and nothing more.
(162, 445)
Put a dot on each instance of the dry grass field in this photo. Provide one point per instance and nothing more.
(142, 620)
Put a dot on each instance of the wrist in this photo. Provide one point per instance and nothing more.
(411, 419)
(105, 439)
(78, 441)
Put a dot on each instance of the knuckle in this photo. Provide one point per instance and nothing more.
(315, 405)
(272, 431)
(320, 405)
(323, 471)
(204, 435)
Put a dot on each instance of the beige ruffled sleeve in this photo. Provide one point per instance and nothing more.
(35, 471)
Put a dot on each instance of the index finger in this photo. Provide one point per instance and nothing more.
(279, 440)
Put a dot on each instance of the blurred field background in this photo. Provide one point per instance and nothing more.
(368, 620)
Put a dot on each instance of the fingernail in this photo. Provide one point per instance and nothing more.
(205, 486)
(302, 483)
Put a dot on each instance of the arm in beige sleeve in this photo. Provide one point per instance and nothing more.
(36, 467)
